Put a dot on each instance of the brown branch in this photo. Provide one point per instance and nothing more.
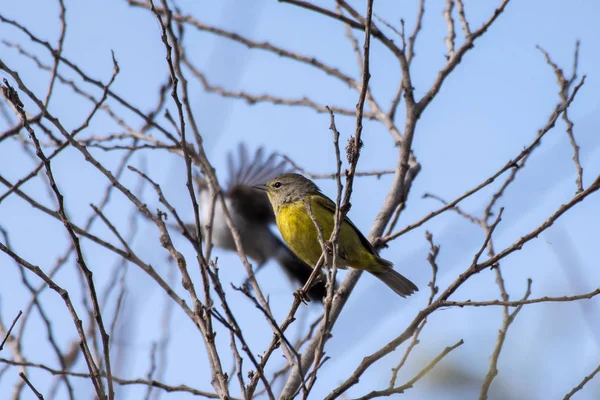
(449, 40)
(103, 202)
(407, 165)
(582, 384)
(410, 384)
(148, 119)
(473, 269)
(377, 111)
(120, 381)
(431, 258)
(151, 370)
(353, 42)
(205, 166)
(462, 17)
(163, 200)
(506, 322)
(33, 389)
(278, 337)
(204, 319)
(13, 97)
(325, 327)
(409, 47)
(353, 153)
(517, 303)
(511, 164)
(94, 372)
(251, 44)
(565, 85)
(165, 238)
(313, 175)
(236, 332)
(326, 12)
(455, 208)
(129, 257)
(253, 99)
(59, 50)
(457, 58)
(14, 348)
(10, 329)
(594, 187)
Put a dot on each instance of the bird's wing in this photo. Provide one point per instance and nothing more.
(249, 171)
(252, 203)
(327, 203)
(256, 170)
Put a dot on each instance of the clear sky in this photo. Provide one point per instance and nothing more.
(488, 110)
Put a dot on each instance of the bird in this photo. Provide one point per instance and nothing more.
(252, 215)
(294, 198)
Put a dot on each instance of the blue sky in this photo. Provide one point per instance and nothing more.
(487, 111)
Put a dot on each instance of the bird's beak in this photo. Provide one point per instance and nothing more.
(260, 187)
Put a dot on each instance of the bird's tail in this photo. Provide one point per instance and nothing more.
(300, 271)
(398, 283)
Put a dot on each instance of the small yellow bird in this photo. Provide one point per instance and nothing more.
(289, 194)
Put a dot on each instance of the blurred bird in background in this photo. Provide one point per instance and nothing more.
(252, 214)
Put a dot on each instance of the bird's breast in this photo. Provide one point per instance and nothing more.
(299, 232)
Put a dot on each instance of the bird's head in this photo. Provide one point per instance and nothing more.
(288, 188)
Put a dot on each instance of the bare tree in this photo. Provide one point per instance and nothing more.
(80, 136)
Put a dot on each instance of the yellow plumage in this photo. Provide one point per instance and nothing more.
(298, 230)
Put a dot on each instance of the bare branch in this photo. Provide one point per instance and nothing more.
(582, 383)
(43, 135)
(411, 383)
(124, 382)
(252, 99)
(10, 329)
(449, 40)
(462, 17)
(507, 321)
(456, 58)
(353, 152)
(33, 389)
(517, 303)
(512, 164)
(565, 85)
(12, 96)
(94, 371)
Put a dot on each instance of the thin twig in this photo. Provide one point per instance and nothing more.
(10, 329)
(410, 384)
(511, 164)
(517, 303)
(33, 389)
(565, 85)
(353, 152)
(582, 383)
(12, 96)
(120, 381)
(431, 257)
(506, 322)
(463, 18)
(449, 40)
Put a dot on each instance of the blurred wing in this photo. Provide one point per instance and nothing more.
(201, 183)
(256, 170)
(245, 172)
(252, 203)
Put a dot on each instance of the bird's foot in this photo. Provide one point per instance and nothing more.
(301, 295)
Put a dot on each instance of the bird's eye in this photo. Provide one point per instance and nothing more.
(277, 185)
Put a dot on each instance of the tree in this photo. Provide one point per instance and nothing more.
(79, 314)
